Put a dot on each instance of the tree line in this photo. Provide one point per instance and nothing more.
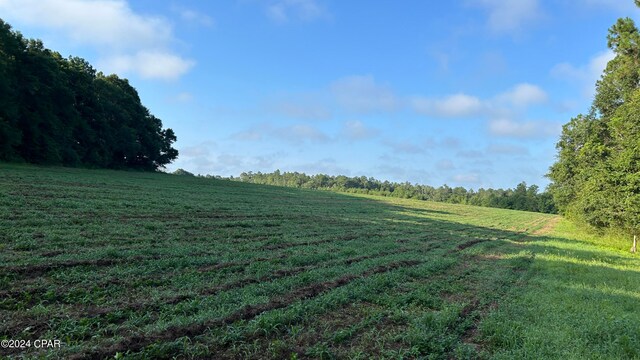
(596, 179)
(61, 111)
(522, 197)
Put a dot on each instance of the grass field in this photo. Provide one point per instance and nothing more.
(138, 265)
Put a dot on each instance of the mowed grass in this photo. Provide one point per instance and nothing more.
(139, 265)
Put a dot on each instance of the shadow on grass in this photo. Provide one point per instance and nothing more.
(568, 309)
(423, 279)
(578, 298)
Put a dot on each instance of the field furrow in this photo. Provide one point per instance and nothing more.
(160, 266)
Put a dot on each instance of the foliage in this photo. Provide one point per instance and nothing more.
(60, 111)
(182, 172)
(521, 198)
(596, 179)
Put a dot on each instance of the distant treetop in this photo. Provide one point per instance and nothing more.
(182, 172)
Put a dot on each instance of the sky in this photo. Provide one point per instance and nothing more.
(468, 93)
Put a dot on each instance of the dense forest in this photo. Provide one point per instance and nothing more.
(61, 111)
(522, 197)
(596, 179)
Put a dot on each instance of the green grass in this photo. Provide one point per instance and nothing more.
(139, 265)
(580, 301)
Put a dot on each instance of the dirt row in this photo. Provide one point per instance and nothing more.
(138, 342)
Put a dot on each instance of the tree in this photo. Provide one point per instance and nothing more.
(182, 172)
(596, 179)
(60, 111)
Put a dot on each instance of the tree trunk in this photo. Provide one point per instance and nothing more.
(633, 248)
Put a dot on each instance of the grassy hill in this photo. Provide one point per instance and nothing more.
(157, 266)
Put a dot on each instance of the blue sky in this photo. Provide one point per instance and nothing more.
(469, 93)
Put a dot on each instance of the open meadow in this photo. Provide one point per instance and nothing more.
(143, 265)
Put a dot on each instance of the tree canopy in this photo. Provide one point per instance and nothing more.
(522, 197)
(596, 178)
(56, 110)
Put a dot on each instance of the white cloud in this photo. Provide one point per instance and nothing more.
(525, 129)
(523, 95)
(586, 74)
(466, 178)
(282, 11)
(149, 65)
(327, 166)
(404, 147)
(391, 169)
(294, 134)
(300, 133)
(195, 17)
(492, 64)
(253, 134)
(201, 150)
(443, 59)
(458, 105)
(507, 149)
(125, 39)
(463, 105)
(506, 16)
(305, 109)
(362, 94)
(622, 6)
(94, 22)
(232, 163)
(207, 158)
(397, 173)
(354, 94)
(445, 165)
(183, 98)
(277, 13)
(450, 143)
(470, 154)
(356, 130)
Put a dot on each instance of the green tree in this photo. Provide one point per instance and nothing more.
(59, 111)
(182, 172)
(11, 47)
(596, 179)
